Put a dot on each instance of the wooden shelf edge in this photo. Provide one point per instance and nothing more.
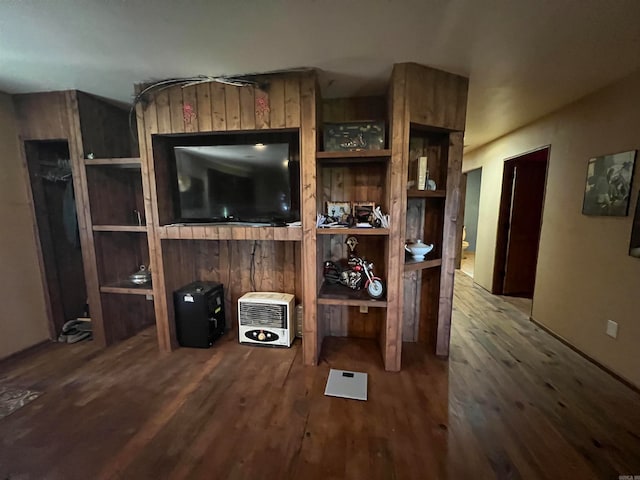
(340, 295)
(352, 302)
(353, 231)
(126, 290)
(411, 265)
(133, 161)
(120, 228)
(426, 193)
(354, 155)
(226, 232)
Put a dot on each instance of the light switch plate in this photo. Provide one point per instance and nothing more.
(612, 329)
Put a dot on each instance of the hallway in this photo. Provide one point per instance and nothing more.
(550, 406)
(512, 402)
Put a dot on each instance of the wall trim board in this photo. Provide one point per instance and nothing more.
(26, 352)
(586, 356)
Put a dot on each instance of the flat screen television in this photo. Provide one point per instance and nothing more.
(246, 183)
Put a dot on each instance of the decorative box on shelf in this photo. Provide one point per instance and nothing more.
(353, 136)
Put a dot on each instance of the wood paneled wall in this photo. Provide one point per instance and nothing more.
(241, 266)
(354, 109)
(126, 315)
(353, 183)
(217, 107)
(42, 116)
(106, 183)
(105, 130)
(119, 254)
(436, 98)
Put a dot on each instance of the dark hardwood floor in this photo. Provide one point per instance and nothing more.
(512, 402)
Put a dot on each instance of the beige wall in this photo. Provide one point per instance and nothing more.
(584, 274)
(23, 321)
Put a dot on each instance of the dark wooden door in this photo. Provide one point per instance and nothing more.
(524, 227)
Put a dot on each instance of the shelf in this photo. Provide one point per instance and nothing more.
(127, 288)
(351, 157)
(426, 193)
(227, 232)
(120, 228)
(341, 295)
(353, 231)
(410, 265)
(132, 162)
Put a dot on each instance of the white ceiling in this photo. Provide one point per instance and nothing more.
(525, 58)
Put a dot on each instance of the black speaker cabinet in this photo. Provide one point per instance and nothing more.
(199, 309)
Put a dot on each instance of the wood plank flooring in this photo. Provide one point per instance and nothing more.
(512, 402)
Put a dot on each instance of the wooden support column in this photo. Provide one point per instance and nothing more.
(449, 245)
(311, 336)
(101, 332)
(147, 120)
(391, 338)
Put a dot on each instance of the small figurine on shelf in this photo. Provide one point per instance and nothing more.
(352, 242)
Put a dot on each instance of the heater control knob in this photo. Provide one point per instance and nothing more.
(261, 336)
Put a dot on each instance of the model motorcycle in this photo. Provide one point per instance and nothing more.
(357, 275)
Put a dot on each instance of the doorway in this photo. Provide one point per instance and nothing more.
(472, 181)
(51, 181)
(519, 223)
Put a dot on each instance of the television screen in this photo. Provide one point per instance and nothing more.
(248, 183)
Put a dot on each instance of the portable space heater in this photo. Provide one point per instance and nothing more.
(266, 318)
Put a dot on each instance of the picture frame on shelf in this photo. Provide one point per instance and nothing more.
(338, 209)
(354, 136)
(362, 211)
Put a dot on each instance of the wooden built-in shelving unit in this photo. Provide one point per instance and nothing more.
(126, 205)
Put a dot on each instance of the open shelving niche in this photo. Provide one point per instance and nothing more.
(120, 238)
(359, 176)
(425, 221)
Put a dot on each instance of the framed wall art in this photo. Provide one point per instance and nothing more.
(608, 187)
(634, 245)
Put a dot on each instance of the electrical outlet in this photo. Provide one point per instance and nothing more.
(364, 309)
(149, 297)
(612, 328)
